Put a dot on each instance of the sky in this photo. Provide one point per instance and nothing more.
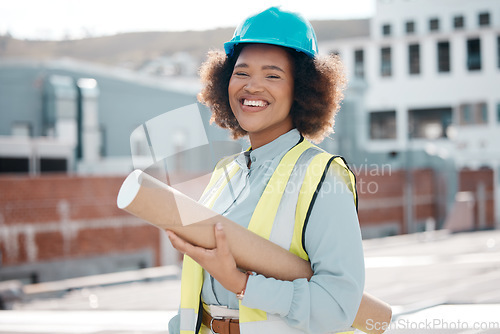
(62, 19)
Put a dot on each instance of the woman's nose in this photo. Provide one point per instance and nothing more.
(253, 85)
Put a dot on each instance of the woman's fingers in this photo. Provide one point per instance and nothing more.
(219, 262)
(199, 254)
(220, 239)
(177, 242)
(207, 258)
(183, 246)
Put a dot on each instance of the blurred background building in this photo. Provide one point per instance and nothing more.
(429, 71)
(420, 126)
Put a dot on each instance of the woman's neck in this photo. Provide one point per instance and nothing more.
(258, 139)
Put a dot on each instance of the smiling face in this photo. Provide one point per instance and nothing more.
(261, 92)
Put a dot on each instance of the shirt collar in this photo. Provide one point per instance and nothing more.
(271, 150)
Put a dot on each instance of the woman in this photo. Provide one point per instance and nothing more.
(272, 86)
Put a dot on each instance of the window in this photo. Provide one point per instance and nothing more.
(386, 30)
(429, 123)
(410, 27)
(102, 135)
(414, 58)
(498, 51)
(23, 164)
(458, 22)
(359, 64)
(14, 165)
(474, 54)
(476, 113)
(465, 114)
(443, 50)
(48, 165)
(482, 113)
(385, 64)
(434, 24)
(383, 124)
(484, 19)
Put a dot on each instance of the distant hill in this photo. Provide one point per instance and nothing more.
(134, 49)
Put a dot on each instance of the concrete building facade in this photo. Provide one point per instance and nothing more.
(431, 70)
(66, 115)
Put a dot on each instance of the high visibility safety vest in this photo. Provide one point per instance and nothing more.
(303, 167)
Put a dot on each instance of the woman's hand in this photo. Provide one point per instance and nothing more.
(218, 262)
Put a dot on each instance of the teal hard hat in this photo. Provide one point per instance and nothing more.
(278, 27)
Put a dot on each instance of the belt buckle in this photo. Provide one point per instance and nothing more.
(211, 322)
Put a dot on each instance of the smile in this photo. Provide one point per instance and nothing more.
(254, 103)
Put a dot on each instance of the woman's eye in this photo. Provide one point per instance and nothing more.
(240, 74)
(273, 76)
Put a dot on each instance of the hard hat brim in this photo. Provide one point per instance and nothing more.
(229, 46)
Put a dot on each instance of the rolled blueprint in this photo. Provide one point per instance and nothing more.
(168, 209)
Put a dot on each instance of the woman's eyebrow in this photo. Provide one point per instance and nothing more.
(272, 67)
(265, 67)
(241, 65)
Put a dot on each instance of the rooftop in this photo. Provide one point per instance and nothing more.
(433, 280)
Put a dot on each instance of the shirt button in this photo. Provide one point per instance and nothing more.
(253, 159)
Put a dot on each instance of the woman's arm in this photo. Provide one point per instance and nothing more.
(174, 325)
(330, 300)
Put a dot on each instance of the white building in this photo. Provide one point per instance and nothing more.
(432, 69)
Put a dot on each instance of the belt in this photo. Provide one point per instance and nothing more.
(220, 325)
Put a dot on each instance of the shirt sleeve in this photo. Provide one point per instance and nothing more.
(330, 300)
(174, 325)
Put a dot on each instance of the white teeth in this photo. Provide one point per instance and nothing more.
(254, 103)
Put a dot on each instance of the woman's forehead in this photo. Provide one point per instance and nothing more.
(264, 55)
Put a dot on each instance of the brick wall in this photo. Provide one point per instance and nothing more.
(382, 196)
(62, 217)
(388, 203)
(481, 184)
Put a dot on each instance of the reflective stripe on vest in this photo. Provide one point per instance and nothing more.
(221, 175)
(192, 273)
(294, 184)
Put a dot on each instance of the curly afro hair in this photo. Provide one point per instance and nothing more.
(318, 91)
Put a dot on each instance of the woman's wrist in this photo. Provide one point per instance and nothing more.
(240, 282)
(241, 294)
